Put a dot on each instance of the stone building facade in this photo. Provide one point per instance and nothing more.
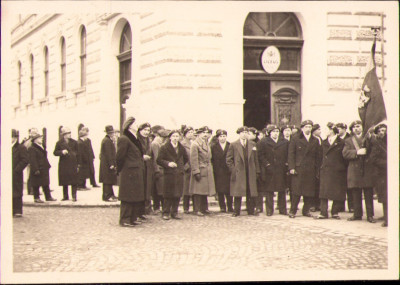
(195, 68)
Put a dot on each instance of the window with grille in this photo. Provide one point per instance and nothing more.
(83, 56)
(46, 71)
(63, 65)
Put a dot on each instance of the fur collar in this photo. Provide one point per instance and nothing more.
(134, 140)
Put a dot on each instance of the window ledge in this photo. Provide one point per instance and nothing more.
(79, 90)
(60, 95)
(43, 100)
(30, 103)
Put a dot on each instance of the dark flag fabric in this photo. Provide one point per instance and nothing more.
(371, 106)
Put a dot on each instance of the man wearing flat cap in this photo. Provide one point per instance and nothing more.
(161, 135)
(304, 160)
(221, 171)
(19, 161)
(188, 137)
(243, 164)
(131, 168)
(272, 156)
(202, 176)
(359, 171)
(108, 165)
(379, 161)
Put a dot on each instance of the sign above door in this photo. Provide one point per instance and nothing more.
(271, 59)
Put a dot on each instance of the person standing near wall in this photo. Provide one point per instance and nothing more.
(157, 190)
(83, 157)
(39, 174)
(343, 135)
(243, 164)
(188, 136)
(20, 160)
(202, 177)
(172, 157)
(108, 165)
(130, 167)
(222, 175)
(67, 149)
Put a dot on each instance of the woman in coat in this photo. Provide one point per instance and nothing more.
(172, 157)
(39, 173)
(379, 161)
(131, 168)
(143, 136)
(67, 149)
(222, 175)
(108, 165)
(188, 136)
(19, 162)
(272, 156)
(202, 177)
(243, 164)
(333, 184)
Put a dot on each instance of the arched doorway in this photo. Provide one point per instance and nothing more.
(271, 96)
(125, 67)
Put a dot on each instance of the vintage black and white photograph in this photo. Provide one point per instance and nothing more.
(199, 141)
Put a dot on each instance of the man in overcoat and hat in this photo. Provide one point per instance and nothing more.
(83, 154)
(19, 161)
(359, 171)
(158, 187)
(202, 176)
(304, 161)
(108, 165)
(272, 156)
(130, 167)
(221, 171)
(243, 164)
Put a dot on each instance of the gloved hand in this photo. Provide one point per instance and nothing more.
(37, 172)
(197, 176)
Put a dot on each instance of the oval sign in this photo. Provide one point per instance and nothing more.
(271, 59)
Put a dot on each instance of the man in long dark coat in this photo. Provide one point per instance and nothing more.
(67, 149)
(304, 161)
(108, 165)
(379, 161)
(222, 175)
(130, 167)
(39, 173)
(27, 142)
(343, 135)
(91, 158)
(360, 171)
(333, 184)
(157, 190)
(243, 164)
(83, 154)
(272, 156)
(19, 162)
(172, 157)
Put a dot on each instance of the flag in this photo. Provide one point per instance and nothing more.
(371, 106)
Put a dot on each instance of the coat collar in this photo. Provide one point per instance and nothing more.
(171, 149)
(38, 147)
(272, 143)
(134, 140)
(202, 144)
(335, 143)
(239, 148)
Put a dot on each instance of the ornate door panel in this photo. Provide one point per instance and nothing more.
(285, 102)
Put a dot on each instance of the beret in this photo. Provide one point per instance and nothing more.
(271, 127)
(286, 127)
(378, 127)
(221, 132)
(332, 127)
(341, 125)
(204, 129)
(186, 130)
(242, 129)
(306, 122)
(356, 122)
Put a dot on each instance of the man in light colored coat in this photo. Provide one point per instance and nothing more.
(202, 177)
(242, 162)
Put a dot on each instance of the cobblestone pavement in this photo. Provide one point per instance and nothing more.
(89, 239)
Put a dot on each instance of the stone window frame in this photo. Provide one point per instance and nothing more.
(46, 71)
(32, 76)
(63, 64)
(19, 82)
(82, 55)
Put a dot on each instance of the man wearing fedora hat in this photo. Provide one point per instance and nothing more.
(67, 149)
(359, 171)
(19, 162)
(108, 169)
(243, 164)
(83, 157)
(40, 166)
(131, 168)
(221, 171)
(304, 160)
(379, 161)
(27, 142)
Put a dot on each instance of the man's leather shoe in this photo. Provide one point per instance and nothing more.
(223, 211)
(186, 211)
(320, 217)
(165, 218)
(291, 215)
(74, 200)
(336, 217)
(127, 225)
(19, 215)
(351, 210)
(143, 217)
(269, 214)
(384, 224)
(207, 212)
(308, 215)
(200, 214)
(95, 186)
(371, 220)
(235, 215)
(312, 209)
(380, 218)
(51, 199)
(175, 217)
(354, 219)
(64, 199)
(38, 200)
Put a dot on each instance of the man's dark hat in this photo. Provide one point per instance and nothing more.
(356, 122)
(341, 125)
(242, 129)
(109, 129)
(315, 127)
(306, 122)
(14, 133)
(378, 127)
(221, 132)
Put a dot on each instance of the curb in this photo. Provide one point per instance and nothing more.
(77, 205)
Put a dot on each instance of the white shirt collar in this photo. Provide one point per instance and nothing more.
(332, 139)
(174, 145)
(307, 136)
(243, 142)
(223, 145)
(275, 140)
(13, 144)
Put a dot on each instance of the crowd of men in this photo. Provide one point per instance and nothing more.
(155, 168)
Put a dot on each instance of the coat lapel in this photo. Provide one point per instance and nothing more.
(239, 148)
(39, 148)
(172, 151)
(335, 143)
